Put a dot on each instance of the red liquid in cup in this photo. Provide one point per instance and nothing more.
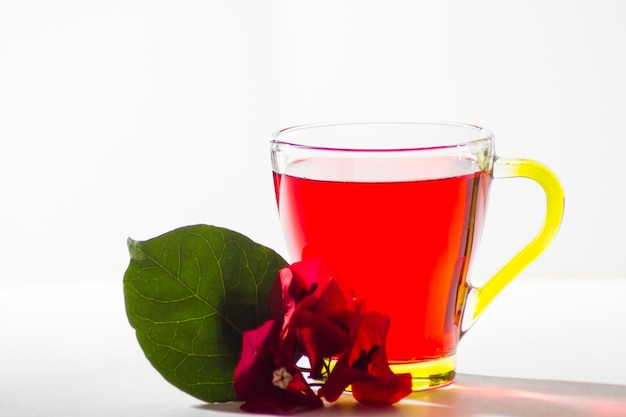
(402, 247)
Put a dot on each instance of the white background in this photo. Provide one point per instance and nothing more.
(130, 118)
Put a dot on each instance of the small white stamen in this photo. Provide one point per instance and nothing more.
(281, 378)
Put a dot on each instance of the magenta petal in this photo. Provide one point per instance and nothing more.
(368, 332)
(306, 274)
(270, 400)
(302, 394)
(367, 388)
(385, 389)
(257, 361)
(331, 303)
(365, 366)
(285, 277)
(339, 379)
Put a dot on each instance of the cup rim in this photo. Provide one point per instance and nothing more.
(486, 135)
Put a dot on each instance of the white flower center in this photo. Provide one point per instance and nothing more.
(281, 378)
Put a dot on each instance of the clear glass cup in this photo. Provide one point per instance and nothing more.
(396, 211)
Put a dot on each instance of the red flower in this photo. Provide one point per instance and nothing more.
(312, 317)
(365, 366)
(267, 381)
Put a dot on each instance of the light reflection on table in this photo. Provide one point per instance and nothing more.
(482, 396)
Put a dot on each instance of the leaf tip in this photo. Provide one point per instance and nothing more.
(132, 247)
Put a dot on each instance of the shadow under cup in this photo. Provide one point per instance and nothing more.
(395, 210)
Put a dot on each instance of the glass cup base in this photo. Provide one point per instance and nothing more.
(428, 374)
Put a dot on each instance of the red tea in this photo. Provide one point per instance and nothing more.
(401, 247)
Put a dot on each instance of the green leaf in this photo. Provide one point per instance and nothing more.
(190, 293)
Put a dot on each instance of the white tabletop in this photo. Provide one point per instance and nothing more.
(548, 346)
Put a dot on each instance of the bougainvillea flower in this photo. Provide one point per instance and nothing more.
(265, 380)
(365, 365)
(315, 314)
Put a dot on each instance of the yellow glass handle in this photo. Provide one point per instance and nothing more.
(509, 168)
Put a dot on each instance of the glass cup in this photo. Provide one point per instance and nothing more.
(396, 211)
